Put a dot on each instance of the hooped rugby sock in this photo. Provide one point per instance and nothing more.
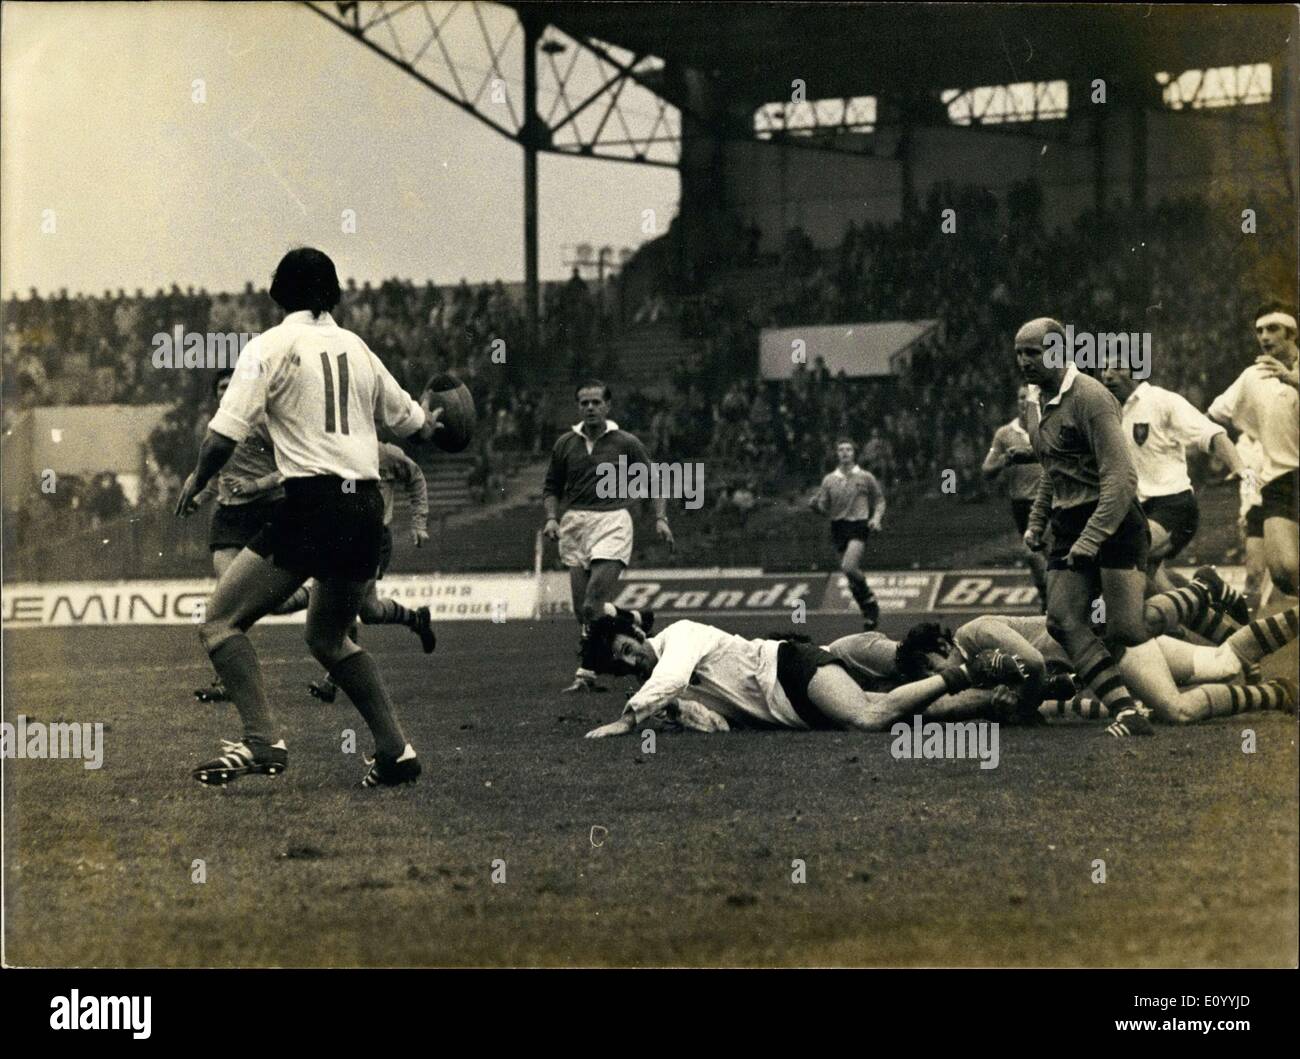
(298, 601)
(1165, 611)
(1215, 626)
(236, 664)
(1263, 636)
(393, 613)
(1225, 700)
(1095, 669)
(358, 676)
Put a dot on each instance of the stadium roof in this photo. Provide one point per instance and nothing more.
(842, 50)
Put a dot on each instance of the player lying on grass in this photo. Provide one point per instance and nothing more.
(1190, 683)
(768, 683)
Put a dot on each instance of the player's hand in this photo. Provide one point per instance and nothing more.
(551, 531)
(432, 416)
(1272, 368)
(874, 524)
(1034, 539)
(1080, 557)
(419, 536)
(185, 504)
(1250, 482)
(620, 727)
(665, 533)
(1021, 455)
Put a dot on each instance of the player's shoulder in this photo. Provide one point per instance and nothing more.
(1093, 395)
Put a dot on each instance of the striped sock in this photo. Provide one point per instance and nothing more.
(1183, 606)
(1095, 669)
(393, 613)
(1263, 636)
(1214, 625)
(1081, 705)
(1227, 700)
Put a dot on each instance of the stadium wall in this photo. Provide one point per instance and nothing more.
(1216, 151)
(673, 594)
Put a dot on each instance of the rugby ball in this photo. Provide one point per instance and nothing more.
(456, 425)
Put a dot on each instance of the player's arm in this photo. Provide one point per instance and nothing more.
(995, 460)
(213, 454)
(407, 471)
(1117, 482)
(819, 499)
(1223, 409)
(1038, 512)
(875, 502)
(1272, 368)
(671, 677)
(244, 402)
(662, 529)
(552, 488)
(398, 410)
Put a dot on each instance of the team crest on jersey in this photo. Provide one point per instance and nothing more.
(1140, 432)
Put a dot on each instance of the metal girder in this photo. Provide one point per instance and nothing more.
(593, 104)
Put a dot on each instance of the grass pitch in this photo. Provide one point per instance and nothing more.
(613, 856)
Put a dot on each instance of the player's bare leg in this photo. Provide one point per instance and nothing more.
(838, 697)
(1258, 582)
(334, 605)
(1282, 548)
(851, 568)
(1068, 607)
(249, 589)
(1159, 577)
(1154, 682)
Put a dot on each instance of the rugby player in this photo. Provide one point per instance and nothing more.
(768, 683)
(1011, 458)
(395, 466)
(595, 534)
(855, 504)
(321, 390)
(1099, 533)
(1263, 402)
(247, 490)
(1159, 426)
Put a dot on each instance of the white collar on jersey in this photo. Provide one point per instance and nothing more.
(304, 316)
(1137, 393)
(1071, 372)
(609, 425)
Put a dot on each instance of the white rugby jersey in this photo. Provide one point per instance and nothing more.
(322, 390)
(729, 674)
(1159, 426)
(1267, 410)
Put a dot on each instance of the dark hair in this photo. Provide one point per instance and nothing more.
(789, 637)
(591, 384)
(847, 441)
(224, 373)
(598, 650)
(305, 279)
(929, 637)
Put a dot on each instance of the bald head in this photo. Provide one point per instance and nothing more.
(1031, 335)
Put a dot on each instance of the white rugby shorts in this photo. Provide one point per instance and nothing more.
(588, 535)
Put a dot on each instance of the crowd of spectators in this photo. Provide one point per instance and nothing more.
(1183, 271)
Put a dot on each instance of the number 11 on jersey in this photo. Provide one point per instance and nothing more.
(327, 371)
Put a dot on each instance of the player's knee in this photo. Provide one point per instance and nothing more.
(849, 570)
(324, 644)
(1127, 632)
(1284, 577)
(213, 633)
(1062, 624)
